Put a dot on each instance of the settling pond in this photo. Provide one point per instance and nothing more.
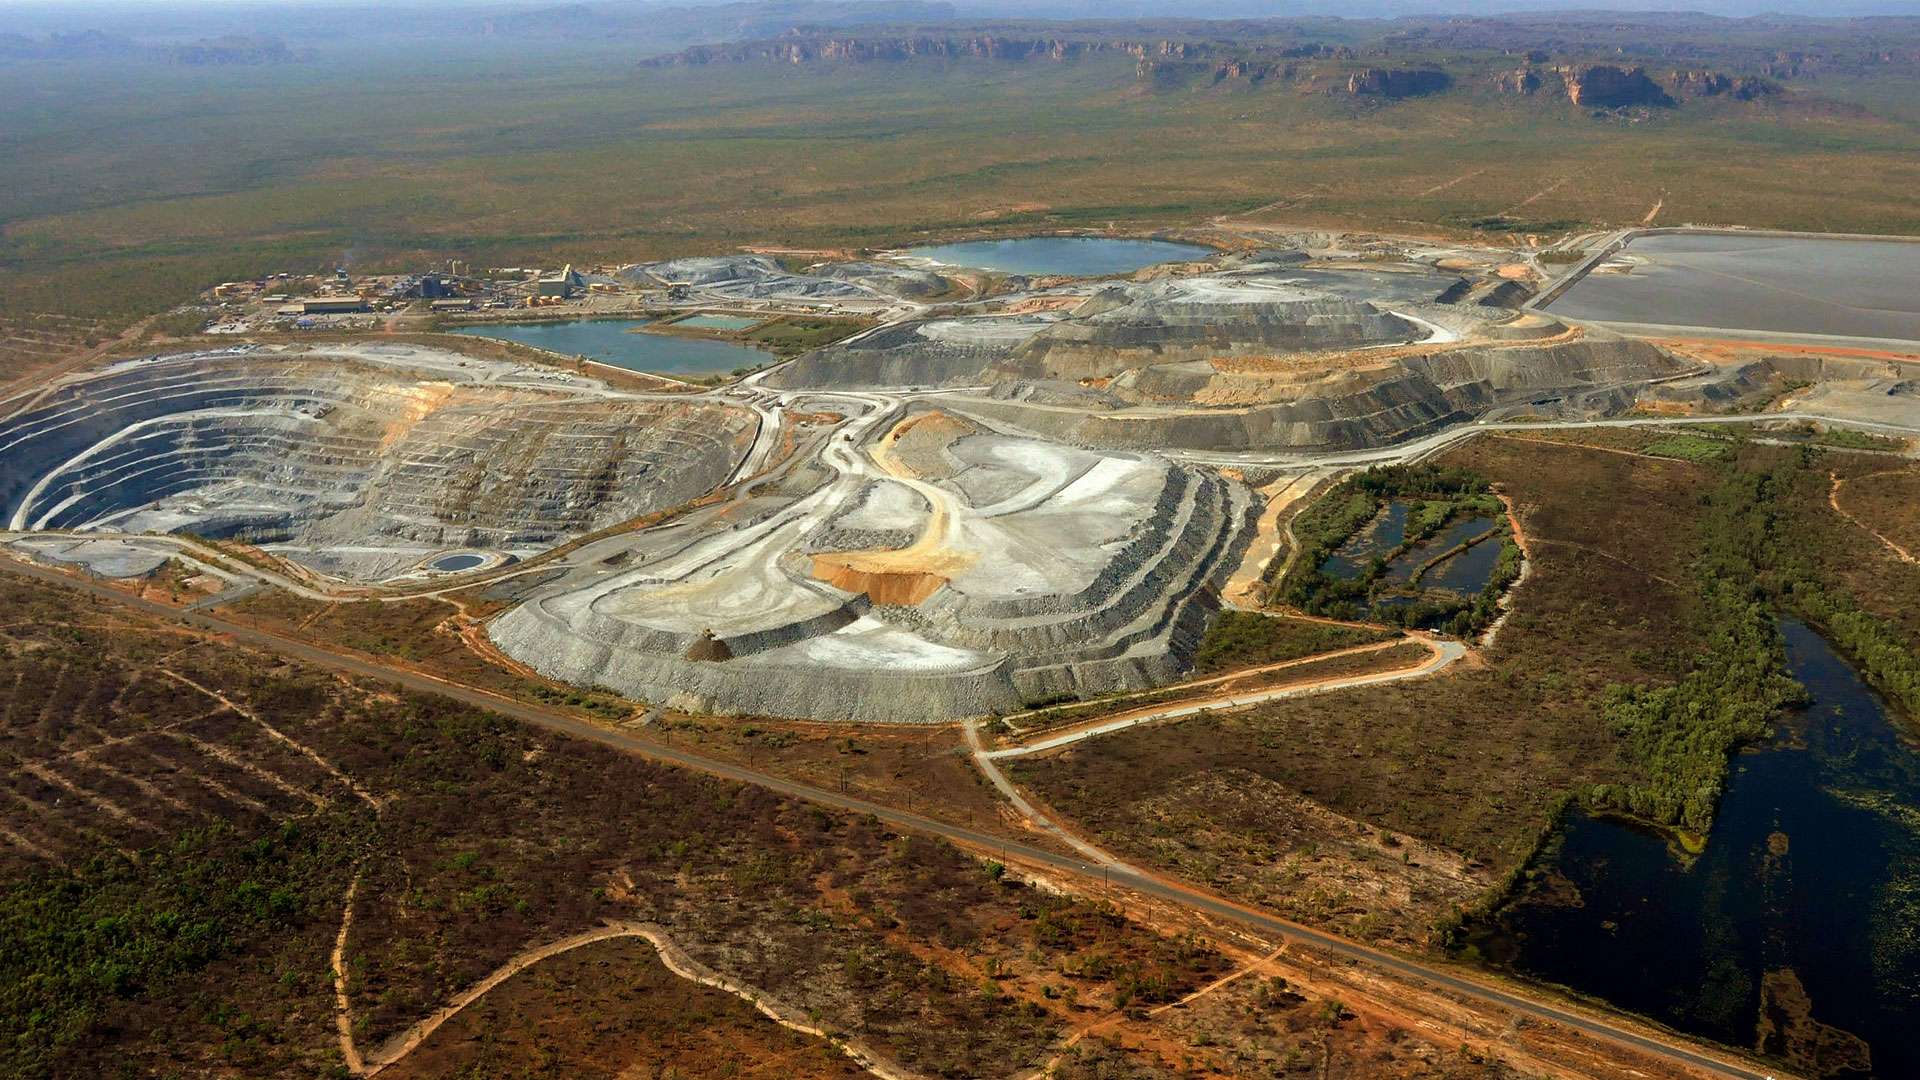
(1379, 536)
(1851, 288)
(610, 342)
(1074, 256)
(448, 564)
(1799, 925)
(1401, 570)
(1465, 572)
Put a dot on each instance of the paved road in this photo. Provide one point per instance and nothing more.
(1589, 1023)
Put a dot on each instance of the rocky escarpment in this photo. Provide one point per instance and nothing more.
(233, 50)
(1524, 81)
(1173, 63)
(1606, 86)
(862, 49)
(1226, 60)
(1398, 83)
(1165, 62)
(1720, 84)
(324, 451)
(1603, 86)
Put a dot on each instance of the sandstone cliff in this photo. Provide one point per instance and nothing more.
(1603, 86)
(1398, 83)
(803, 50)
(1719, 84)
(1524, 81)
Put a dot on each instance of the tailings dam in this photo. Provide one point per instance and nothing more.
(1729, 281)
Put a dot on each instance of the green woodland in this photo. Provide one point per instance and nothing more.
(1750, 569)
(79, 941)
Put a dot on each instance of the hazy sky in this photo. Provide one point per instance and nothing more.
(78, 11)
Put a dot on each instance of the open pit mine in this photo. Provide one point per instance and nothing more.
(998, 496)
(358, 462)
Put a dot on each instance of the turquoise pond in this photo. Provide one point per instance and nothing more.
(610, 341)
(1076, 256)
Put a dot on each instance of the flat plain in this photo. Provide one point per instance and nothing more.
(534, 157)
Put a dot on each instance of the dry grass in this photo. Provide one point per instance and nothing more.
(625, 165)
(1886, 500)
(611, 1010)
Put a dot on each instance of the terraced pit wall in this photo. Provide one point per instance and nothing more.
(325, 450)
(1136, 625)
(1317, 410)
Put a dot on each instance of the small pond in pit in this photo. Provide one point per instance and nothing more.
(1451, 536)
(1802, 914)
(1468, 572)
(1076, 256)
(450, 564)
(610, 341)
(718, 322)
(1388, 530)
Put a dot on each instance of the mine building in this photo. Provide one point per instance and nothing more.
(325, 305)
(562, 285)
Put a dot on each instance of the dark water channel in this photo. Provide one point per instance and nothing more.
(1796, 931)
(1468, 572)
(1388, 530)
(1401, 570)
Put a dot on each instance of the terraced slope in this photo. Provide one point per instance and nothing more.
(1005, 571)
(1267, 357)
(1131, 326)
(1335, 403)
(401, 450)
(922, 352)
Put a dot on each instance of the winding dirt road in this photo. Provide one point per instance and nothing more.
(1245, 588)
(1443, 654)
(671, 955)
(1833, 500)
